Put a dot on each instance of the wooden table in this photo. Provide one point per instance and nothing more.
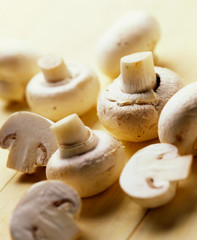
(71, 29)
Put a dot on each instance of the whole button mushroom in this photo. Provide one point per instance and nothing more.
(130, 106)
(88, 160)
(135, 31)
(150, 176)
(30, 140)
(59, 91)
(46, 212)
(178, 120)
(18, 64)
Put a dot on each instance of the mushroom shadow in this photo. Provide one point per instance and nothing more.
(38, 176)
(90, 118)
(11, 107)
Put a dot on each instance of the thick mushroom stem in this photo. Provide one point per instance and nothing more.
(138, 73)
(54, 68)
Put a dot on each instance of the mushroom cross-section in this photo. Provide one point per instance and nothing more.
(47, 212)
(150, 177)
(61, 90)
(130, 106)
(89, 160)
(30, 140)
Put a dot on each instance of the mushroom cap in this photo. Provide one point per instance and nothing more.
(46, 212)
(59, 99)
(92, 172)
(134, 117)
(30, 140)
(150, 176)
(135, 31)
(178, 120)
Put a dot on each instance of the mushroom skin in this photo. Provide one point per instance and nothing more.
(30, 140)
(47, 211)
(150, 177)
(134, 32)
(178, 119)
(76, 93)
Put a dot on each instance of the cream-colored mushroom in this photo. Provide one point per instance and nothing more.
(88, 160)
(178, 120)
(47, 212)
(61, 90)
(130, 106)
(18, 64)
(150, 177)
(30, 140)
(135, 31)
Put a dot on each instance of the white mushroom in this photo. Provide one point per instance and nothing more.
(18, 64)
(59, 91)
(150, 177)
(30, 140)
(178, 120)
(130, 106)
(134, 32)
(88, 160)
(46, 212)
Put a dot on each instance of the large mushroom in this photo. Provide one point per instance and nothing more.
(150, 177)
(47, 212)
(89, 160)
(30, 140)
(59, 91)
(130, 106)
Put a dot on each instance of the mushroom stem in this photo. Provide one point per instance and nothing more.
(137, 73)
(54, 68)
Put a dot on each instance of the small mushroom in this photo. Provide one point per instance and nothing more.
(130, 106)
(150, 176)
(59, 91)
(178, 120)
(30, 140)
(18, 64)
(135, 31)
(46, 212)
(88, 160)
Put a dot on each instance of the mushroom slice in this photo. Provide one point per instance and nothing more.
(30, 140)
(47, 212)
(150, 177)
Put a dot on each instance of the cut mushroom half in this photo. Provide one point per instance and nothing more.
(30, 140)
(47, 211)
(151, 175)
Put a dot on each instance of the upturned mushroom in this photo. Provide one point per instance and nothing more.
(18, 64)
(88, 160)
(47, 212)
(30, 140)
(151, 175)
(130, 106)
(135, 31)
(178, 120)
(59, 91)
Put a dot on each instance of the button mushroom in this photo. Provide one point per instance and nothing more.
(47, 212)
(88, 160)
(30, 140)
(60, 90)
(18, 64)
(134, 32)
(130, 106)
(177, 123)
(150, 177)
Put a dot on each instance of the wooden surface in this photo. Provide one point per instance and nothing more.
(72, 28)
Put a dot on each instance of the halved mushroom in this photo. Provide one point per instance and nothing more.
(47, 212)
(150, 177)
(59, 91)
(30, 140)
(88, 160)
(130, 106)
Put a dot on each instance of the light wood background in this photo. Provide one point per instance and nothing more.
(71, 29)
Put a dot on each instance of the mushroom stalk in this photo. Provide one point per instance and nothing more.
(138, 74)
